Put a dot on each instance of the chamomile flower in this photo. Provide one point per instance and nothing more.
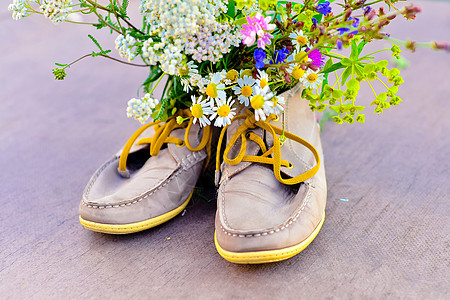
(261, 95)
(299, 40)
(215, 89)
(231, 77)
(200, 109)
(297, 72)
(186, 85)
(189, 69)
(263, 79)
(223, 112)
(312, 79)
(244, 89)
(274, 105)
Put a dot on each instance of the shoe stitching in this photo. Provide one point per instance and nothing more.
(264, 233)
(135, 200)
(97, 174)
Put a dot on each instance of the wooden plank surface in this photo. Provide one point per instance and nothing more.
(391, 239)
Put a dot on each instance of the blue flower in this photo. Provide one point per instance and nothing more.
(339, 44)
(367, 10)
(259, 57)
(314, 21)
(343, 30)
(355, 22)
(324, 8)
(281, 55)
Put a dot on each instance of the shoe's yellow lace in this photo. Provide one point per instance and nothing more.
(265, 158)
(161, 136)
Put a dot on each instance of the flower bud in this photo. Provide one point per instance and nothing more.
(391, 17)
(299, 25)
(383, 23)
(441, 46)
(371, 14)
(347, 14)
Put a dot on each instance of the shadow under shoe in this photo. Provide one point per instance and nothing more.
(259, 217)
(146, 190)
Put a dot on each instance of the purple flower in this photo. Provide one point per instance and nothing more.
(339, 44)
(316, 57)
(355, 23)
(280, 56)
(343, 30)
(324, 8)
(314, 21)
(257, 27)
(259, 57)
(367, 10)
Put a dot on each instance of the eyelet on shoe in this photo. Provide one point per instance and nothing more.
(290, 166)
(182, 144)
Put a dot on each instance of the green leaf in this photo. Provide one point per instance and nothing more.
(353, 84)
(123, 9)
(382, 97)
(361, 47)
(369, 68)
(61, 65)
(346, 62)
(382, 63)
(359, 107)
(338, 94)
(240, 21)
(332, 68)
(355, 52)
(359, 71)
(346, 74)
(95, 42)
(335, 108)
(231, 11)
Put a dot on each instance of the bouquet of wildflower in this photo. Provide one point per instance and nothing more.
(215, 57)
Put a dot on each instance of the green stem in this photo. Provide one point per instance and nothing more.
(382, 83)
(371, 87)
(154, 87)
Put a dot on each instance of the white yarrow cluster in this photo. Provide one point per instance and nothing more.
(141, 109)
(186, 27)
(56, 10)
(18, 9)
(125, 46)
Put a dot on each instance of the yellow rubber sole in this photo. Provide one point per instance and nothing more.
(268, 256)
(134, 227)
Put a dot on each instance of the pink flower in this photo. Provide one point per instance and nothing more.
(257, 26)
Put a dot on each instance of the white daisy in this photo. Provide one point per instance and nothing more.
(200, 110)
(261, 95)
(244, 89)
(298, 73)
(263, 79)
(299, 40)
(274, 105)
(186, 85)
(297, 55)
(215, 89)
(223, 112)
(189, 69)
(312, 79)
